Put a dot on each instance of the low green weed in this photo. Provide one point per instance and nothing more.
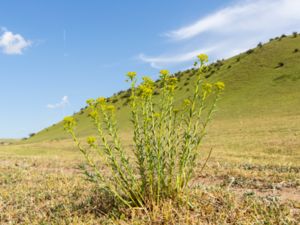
(166, 139)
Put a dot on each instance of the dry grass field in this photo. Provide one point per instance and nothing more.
(252, 177)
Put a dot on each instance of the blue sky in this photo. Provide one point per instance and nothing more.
(56, 54)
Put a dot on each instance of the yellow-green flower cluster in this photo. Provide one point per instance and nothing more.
(147, 87)
(93, 114)
(91, 140)
(157, 115)
(101, 100)
(171, 83)
(69, 122)
(220, 85)
(110, 108)
(187, 102)
(164, 74)
(145, 91)
(203, 58)
(172, 80)
(148, 81)
(131, 75)
(207, 87)
(90, 102)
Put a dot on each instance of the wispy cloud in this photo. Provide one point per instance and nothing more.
(12, 44)
(159, 61)
(62, 104)
(233, 29)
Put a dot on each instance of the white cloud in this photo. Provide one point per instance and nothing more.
(160, 61)
(263, 15)
(62, 104)
(233, 29)
(13, 44)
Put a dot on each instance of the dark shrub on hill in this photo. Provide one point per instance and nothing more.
(186, 83)
(280, 64)
(187, 90)
(219, 63)
(238, 59)
(281, 37)
(115, 100)
(156, 93)
(126, 95)
(176, 74)
(295, 34)
(259, 45)
(296, 50)
(31, 134)
(250, 51)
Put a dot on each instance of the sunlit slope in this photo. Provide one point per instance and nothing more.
(263, 82)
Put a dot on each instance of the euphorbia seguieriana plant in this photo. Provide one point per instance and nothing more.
(166, 139)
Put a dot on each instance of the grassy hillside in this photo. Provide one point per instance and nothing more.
(263, 82)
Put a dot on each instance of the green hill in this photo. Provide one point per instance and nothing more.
(261, 83)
